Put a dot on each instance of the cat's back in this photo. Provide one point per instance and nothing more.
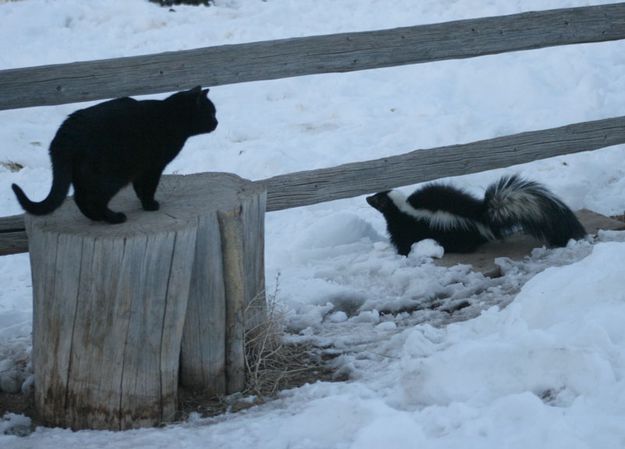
(111, 129)
(113, 110)
(106, 123)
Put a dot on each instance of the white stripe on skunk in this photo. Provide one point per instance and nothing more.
(460, 222)
(438, 219)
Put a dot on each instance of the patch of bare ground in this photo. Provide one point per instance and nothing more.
(273, 363)
(21, 404)
(273, 366)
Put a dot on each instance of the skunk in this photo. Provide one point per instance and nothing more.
(460, 223)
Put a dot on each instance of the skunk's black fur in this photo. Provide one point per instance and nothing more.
(460, 223)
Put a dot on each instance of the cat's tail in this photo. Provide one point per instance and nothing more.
(61, 180)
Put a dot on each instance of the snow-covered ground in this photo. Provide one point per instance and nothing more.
(545, 371)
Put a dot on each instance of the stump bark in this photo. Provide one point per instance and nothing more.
(122, 313)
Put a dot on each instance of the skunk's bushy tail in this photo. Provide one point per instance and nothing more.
(513, 202)
(61, 180)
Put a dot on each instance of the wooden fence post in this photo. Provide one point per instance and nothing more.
(112, 302)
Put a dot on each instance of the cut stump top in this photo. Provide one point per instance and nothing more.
(182, 198)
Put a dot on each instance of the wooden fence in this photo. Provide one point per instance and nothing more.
(227, 64)
(150, 294)
(359, 178)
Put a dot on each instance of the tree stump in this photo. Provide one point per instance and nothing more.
(230, 271)
(122, 312)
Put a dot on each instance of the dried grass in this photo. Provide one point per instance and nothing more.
(272, 362)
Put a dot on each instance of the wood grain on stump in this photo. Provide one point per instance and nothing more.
(122, 313)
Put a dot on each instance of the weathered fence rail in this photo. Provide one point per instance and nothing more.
(228, 64)
(13, 238)
(360, 178)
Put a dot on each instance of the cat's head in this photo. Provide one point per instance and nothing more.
(198, 109)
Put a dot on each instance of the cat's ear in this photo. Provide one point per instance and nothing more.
(196, 90)
(205, 92)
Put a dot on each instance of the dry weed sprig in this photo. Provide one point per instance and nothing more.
(272, 363)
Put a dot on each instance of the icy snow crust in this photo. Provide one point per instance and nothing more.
(437, 357)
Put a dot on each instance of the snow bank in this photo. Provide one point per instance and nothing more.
(540, 373)
(543, 372)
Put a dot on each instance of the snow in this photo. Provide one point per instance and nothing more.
(437, 357)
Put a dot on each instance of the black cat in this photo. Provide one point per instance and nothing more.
(103, 148)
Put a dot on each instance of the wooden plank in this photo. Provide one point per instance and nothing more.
(230, 223)
(13, 242)
(594, 222)
(359, 178)
(227, 64)
(12, 223)
(13, 239)
(520, 246)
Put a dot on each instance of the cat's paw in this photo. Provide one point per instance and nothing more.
(150, 205)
